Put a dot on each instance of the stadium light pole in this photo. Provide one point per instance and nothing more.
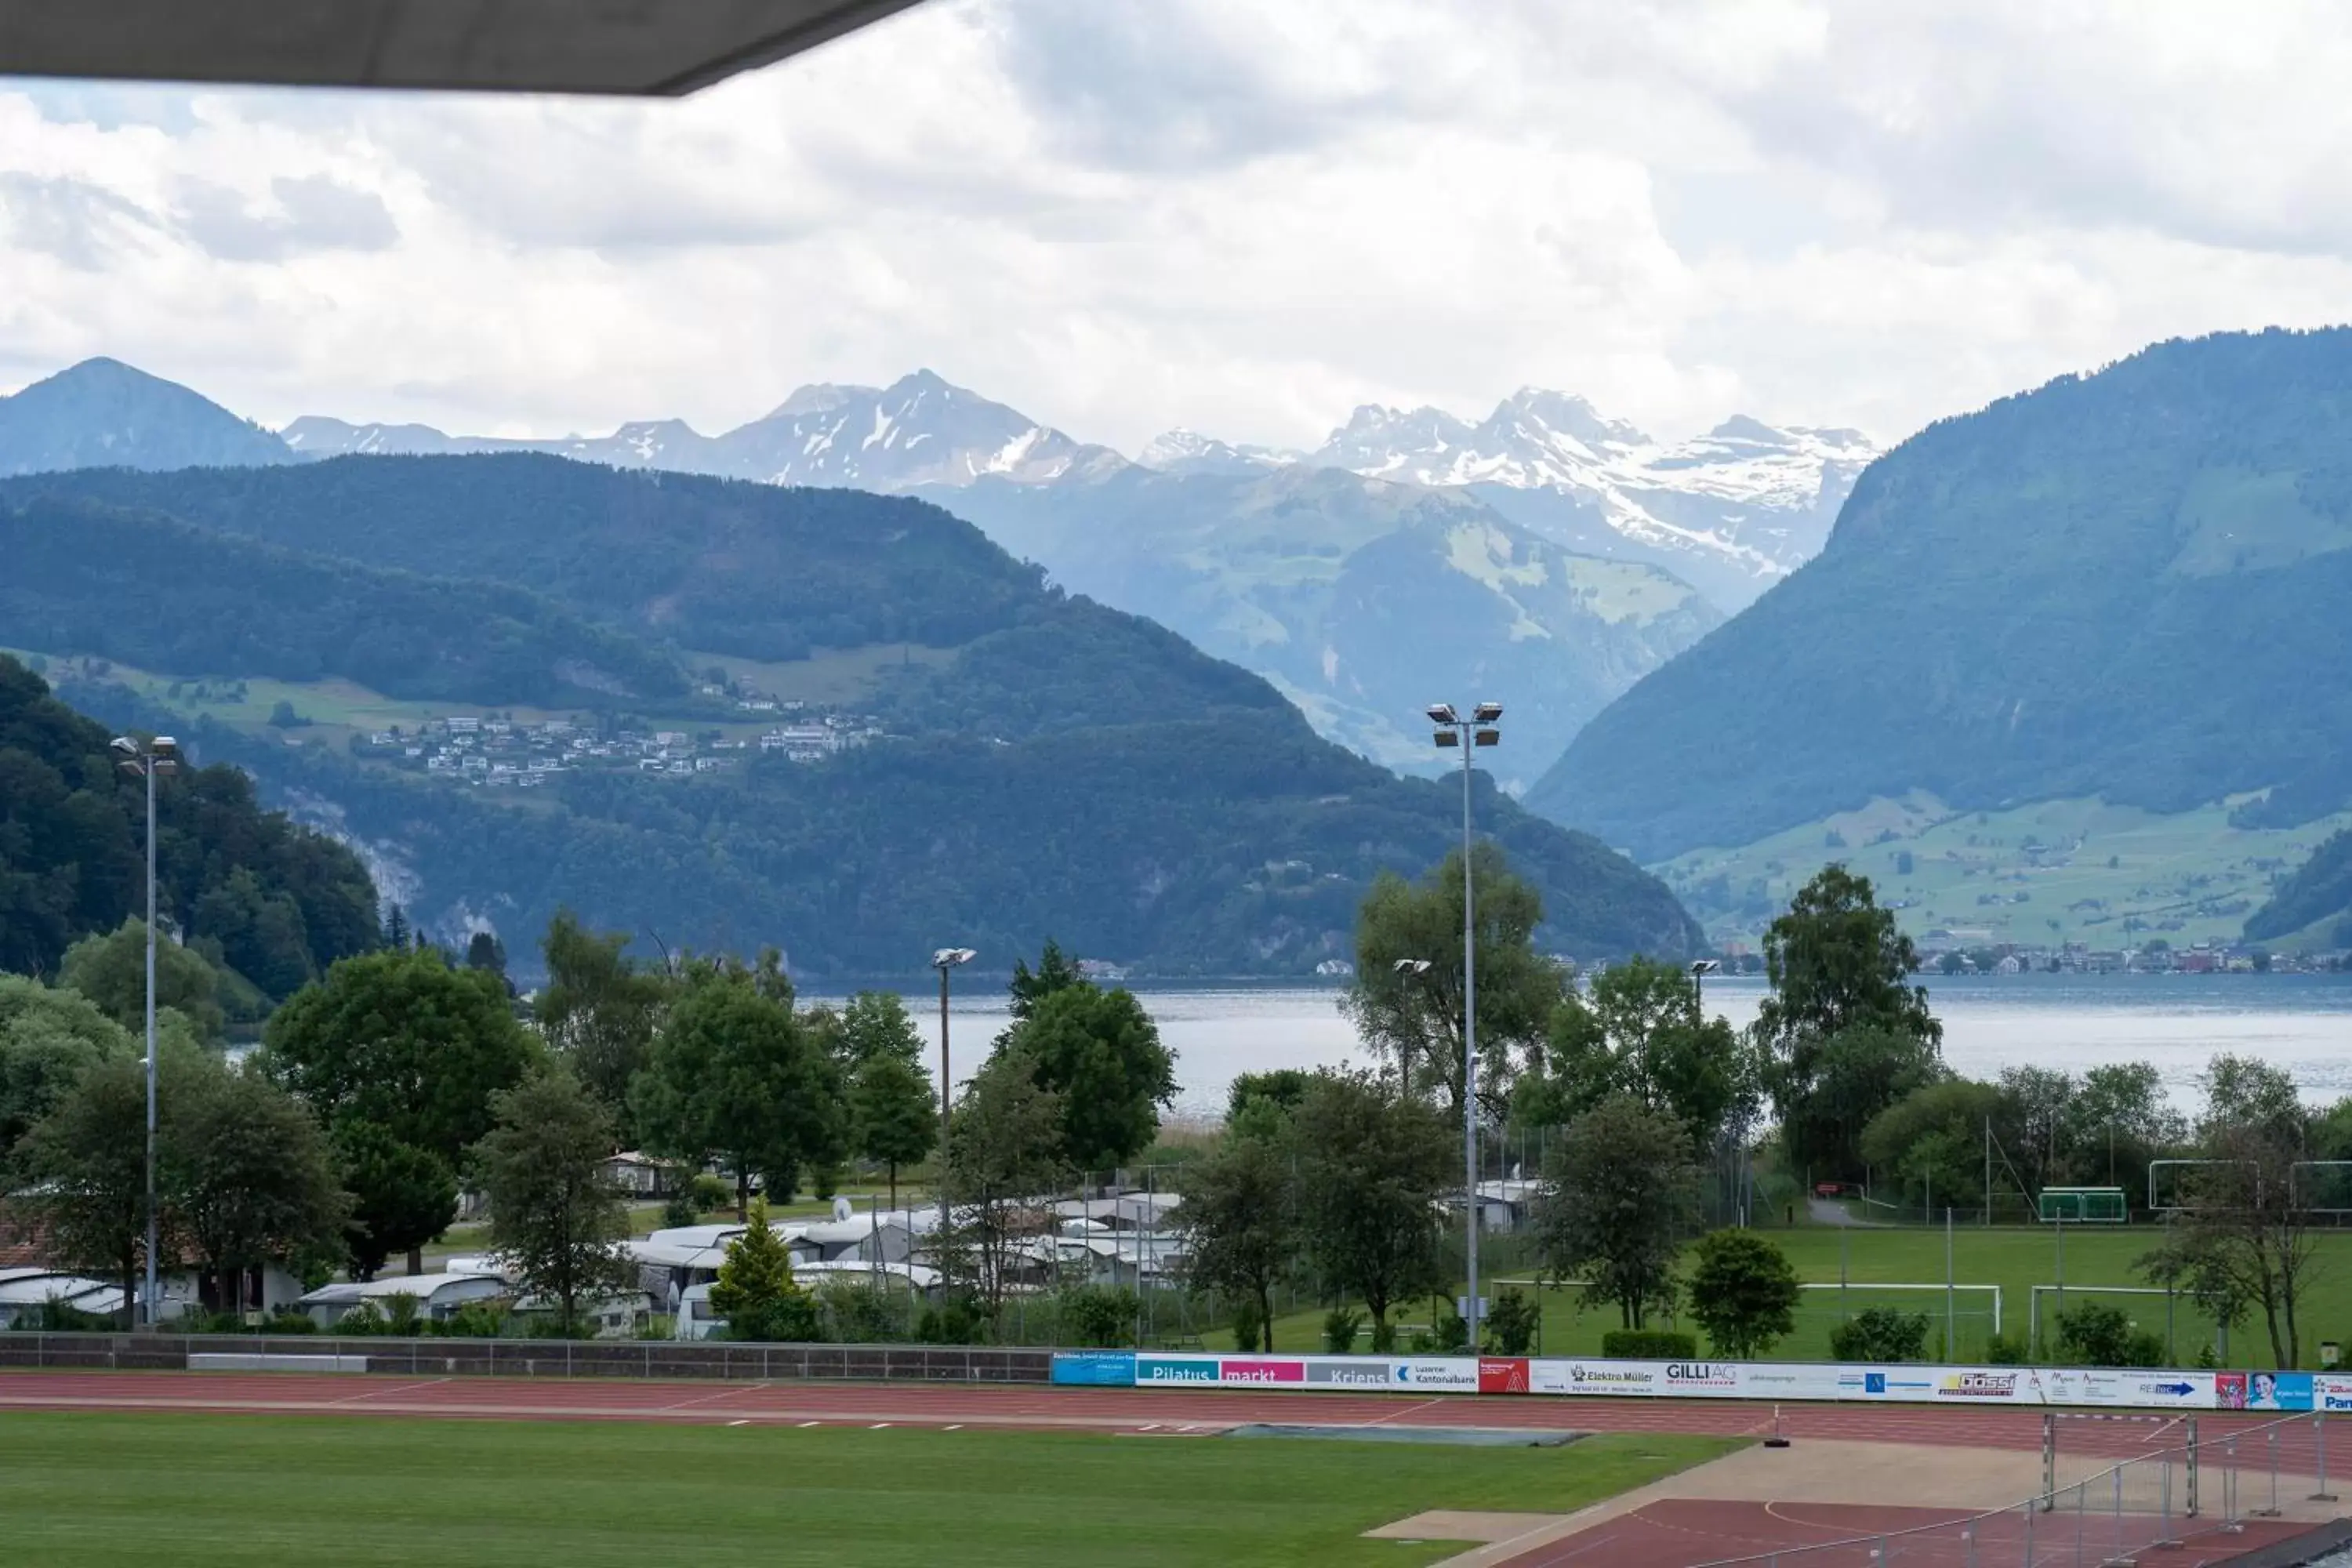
(1469, 734)
(159, 756)
(946, 961)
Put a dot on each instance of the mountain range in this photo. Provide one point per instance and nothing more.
(1546, 555)
(1036, 765)
(2128, 587)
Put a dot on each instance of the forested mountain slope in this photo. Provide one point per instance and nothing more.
(282, 901)
(1048, 767)
(2131, 584)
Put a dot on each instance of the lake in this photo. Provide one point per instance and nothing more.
(2301, 1022)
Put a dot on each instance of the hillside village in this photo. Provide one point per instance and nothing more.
(504, 752)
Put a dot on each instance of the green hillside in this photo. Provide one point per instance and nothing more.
(2128, 586)
(281, 901)
(2317, 899)
(1020, 762)
(2109, 877)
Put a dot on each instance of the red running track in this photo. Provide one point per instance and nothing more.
(1161, 1411)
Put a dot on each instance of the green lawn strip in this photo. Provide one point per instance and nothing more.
(2013, 1257)
(250, 1491)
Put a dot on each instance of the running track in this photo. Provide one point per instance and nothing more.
(1158, 1411)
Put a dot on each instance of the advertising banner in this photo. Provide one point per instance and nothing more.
(1154, 1369)
(1601, 1378)
(1260, 1369)
(2132, 1389)
(2331, 1391)
(1502, 1374)
(1791, 1382)
(1439, 1374)
(1095, 1369)
(2278, 1390)
(1705, 1379)
(1348, 1372)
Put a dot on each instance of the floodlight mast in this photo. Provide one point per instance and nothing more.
(1478, 730)
(946, 960)
(159, 756)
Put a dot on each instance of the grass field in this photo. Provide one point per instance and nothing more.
(2074, 870)
(257, 1491)
(2016, 1258)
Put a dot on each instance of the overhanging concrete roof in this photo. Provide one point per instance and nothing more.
(638, 47)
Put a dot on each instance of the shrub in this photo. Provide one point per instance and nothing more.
(401, 1319)
(1743, 1292)
(1880, 1334)
(365, 1319)
(1649, 1345)
(1510, 1324)
(1340, 1326)
(679, 1211)
(1249, 1324)
(473, 1321)
(2007, 1350)
(861, 1312)
(1096, 1317)
(1383, 1339)
(289, 1321)
(2145, 1348)
(2098, 1335)
(954, 1323)
(1449, 1334)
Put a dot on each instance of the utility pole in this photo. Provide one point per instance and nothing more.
(1470, 733)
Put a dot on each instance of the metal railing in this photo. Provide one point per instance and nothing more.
(548, 1358)
(2205, 1488)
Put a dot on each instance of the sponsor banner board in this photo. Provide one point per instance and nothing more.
(1604, 1379)
(1096, 1369)
(2131, 1389)
(2331, 1391)
(1984, 1385)
(1793, 1381)
(1502, 1374)
(1249, 1369)
(1703, 1379)
(1156, 1369)
(2278, 1390)
(1348, 1372)
(1458, 1374)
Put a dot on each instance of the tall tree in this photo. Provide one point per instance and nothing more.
(1371, 1168)
(555, 1214)
(735, 1076)
(1621, 1200)
(112, 971)
(1100, 1053)
(1413, 1019)
(1055, 971)
(600, 1010)
(1641, 1033)
(1003, 1151)
(402, 1196)
(1839, 966)
(876, 1024)
(1237, 1219)
(252, 1181)
(84, 1167)
(1743, 1292)
(407, 1044)
(1929, 1145)
(895, 1112)
(755, 1291)
(48, 1038)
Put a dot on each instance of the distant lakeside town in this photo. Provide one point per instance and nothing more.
(512, 753)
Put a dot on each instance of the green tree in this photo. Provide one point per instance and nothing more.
(1511, 1323)
(555, 1214)
(251, 1181)
(735, 1076)
(1099, 1053)
(1641, 1033)
(1743, 1292)
(1413, 1019)
(1881, 1335)
(1839, 966)
(402, 1196)
(1237, 1222)
(1055, 971)
(404, 1042)
(1373, 1166)
(84, 1165)
(47, 1040)
(1621, 1197)
(755, 1291)
(1856, 1075)
(1929, 1145)
(893, 1108)
(112, 971)
(600, 1010)
(1003, 1151)
(876, 1024)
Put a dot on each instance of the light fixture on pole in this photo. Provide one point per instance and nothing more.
(1407, 970)
(1699, 970)
(945, 960)
(159, 756)
(1469, 734)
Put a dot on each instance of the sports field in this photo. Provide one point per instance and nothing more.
(253, 1492)
(2014, 1258)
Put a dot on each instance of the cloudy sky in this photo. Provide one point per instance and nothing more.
(1125, 215)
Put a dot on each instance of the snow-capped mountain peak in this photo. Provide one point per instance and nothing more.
(1182, 451)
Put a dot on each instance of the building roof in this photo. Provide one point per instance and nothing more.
(424, 1287)
(633, 48)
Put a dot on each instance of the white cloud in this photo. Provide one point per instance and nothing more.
(1123, 215)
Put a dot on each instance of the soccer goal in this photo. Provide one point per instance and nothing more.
(1973, 1313)
(2083, 1206)
(2322, 1186)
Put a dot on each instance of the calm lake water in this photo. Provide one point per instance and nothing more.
(2302, 1023)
